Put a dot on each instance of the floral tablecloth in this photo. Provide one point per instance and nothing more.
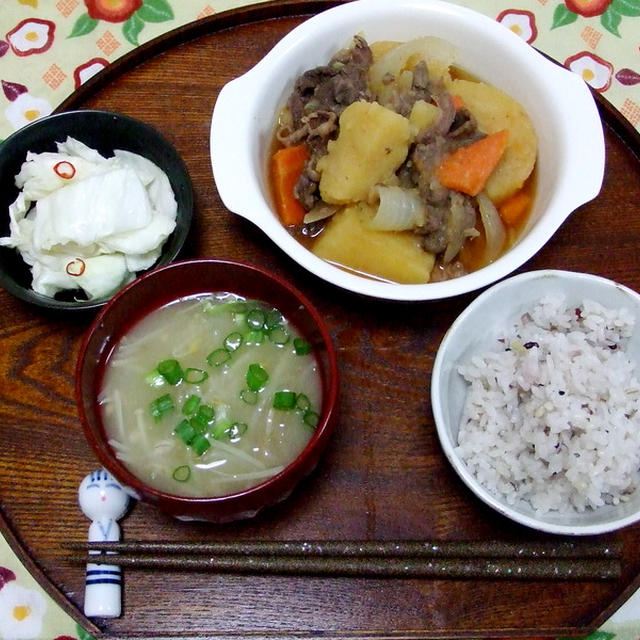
(48, 48)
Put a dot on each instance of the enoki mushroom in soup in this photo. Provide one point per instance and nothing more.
(210, 395)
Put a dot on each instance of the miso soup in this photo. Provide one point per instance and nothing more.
(210, 395)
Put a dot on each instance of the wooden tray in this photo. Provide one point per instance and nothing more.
(384, 475)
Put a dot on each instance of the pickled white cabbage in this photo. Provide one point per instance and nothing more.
(94, 230)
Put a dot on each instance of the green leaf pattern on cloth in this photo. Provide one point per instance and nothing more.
(563, 16)
(611, 20)
(155, 11)
(83, 634)
(83, 25)
(629, 8)
(132, 27)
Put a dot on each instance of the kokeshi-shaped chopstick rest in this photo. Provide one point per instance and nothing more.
(104, 501)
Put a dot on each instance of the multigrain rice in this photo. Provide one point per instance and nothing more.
(552, 416)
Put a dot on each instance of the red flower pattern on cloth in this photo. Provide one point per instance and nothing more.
(595, 71)
(87, 70)
(588, 8)
(522, 23)
(31, 36)
(112, 10)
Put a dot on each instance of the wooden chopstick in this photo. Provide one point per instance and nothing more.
(451, 568)
(404, 548)
(406, 559)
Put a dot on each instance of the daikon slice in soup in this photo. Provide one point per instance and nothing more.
(210, 395)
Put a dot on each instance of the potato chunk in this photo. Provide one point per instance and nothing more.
(424, 114)
(395, 256)
(495, 110)
(373, 142)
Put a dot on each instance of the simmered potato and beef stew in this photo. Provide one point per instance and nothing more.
(391, 162)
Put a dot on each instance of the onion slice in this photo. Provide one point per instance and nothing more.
(399, 209)
(493, 227)
(438, 54)
(320, 212)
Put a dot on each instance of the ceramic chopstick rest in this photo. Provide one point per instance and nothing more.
(104, 501)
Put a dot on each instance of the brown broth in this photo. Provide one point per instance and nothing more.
(472, 253)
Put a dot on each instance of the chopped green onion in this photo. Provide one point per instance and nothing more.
(182, 473)
(185, 431)
(273, 319)
(249, 396)
(191, 404)
(256, 377)
(154, 379)
(232, 430)
(161, 406)
(195, 376)
(240, 427)
(237, 306)
(256, 318)
(200, 444)
(279, 335)
(218, 357)
(302, 402)
(311, 418)
(284, 400)
(221, 429)
(301, 346)
(206, 412)
(233, 341)
(237, 430)
(255, 336)
(198, 423)
(171, 371)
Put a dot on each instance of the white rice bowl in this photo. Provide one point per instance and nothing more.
(539, 410)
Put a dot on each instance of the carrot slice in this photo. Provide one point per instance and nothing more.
(514, 209)
(458, 102)
(467, 169)
(287, 166)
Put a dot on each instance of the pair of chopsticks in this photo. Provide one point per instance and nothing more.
(562, 560)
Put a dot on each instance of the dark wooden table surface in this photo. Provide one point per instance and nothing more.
(384, 475)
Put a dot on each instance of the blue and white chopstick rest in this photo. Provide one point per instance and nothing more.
(104, 501)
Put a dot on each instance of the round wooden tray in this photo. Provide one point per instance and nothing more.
(384, 475)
